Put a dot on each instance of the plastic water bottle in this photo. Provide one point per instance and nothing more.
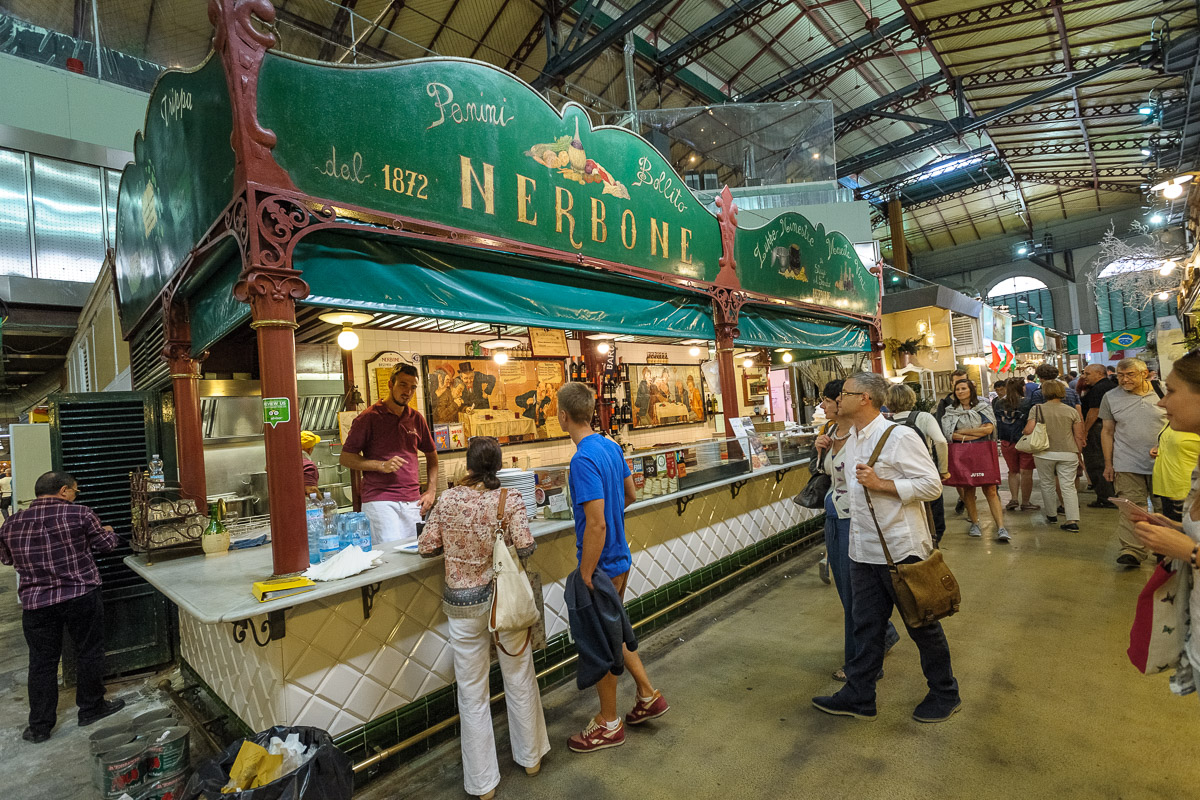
(155, 479)
(315, 520)
(330, 541)
(364, 532)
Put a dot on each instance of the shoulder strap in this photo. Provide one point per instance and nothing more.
(500, 505)
(1157, 389)
(911, 420)
(870, 505)
(879, 445)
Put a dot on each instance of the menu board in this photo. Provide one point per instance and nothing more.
(516, 401)
(548, 343)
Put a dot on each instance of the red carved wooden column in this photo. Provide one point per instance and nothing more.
(272, 294)
(185, 376)
(727, 300)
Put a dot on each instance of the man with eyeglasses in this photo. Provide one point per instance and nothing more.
(901, 478)
(53, 545)
(1132, 421)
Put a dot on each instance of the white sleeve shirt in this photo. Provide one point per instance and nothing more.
(905, 461)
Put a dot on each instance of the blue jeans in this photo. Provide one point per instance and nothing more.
(837, 548)
(874, 600)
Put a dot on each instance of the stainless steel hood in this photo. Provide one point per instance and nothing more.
(231, 410)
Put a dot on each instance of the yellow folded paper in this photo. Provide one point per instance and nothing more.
(281, 587)
(245, 767)
(268, 770)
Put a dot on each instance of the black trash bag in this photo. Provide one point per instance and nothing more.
(328, 775)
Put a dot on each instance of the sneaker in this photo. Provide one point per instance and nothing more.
(105, 709)
(1100, 504)
(37, 737)
(535, 769)
(974, 531)
(838, 706)
(596, 737)
(644, 710)
(960, 507)
(823, 570)
(1002, 535)
(1052, 519)
(1128, 558)
(1061, 510)
(1073, 527)
(933, 709)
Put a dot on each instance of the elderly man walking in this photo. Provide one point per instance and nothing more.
(903, 475)
(1096, 383)
(1132, 421)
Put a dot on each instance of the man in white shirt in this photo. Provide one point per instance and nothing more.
(903, 476)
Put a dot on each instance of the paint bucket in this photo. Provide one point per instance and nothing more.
(159, 713)
(121, 771)
(167, 753)
(166, 788)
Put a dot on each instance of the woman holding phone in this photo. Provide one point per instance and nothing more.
(1163, 536)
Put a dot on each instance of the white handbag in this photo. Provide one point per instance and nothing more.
(513, 606)
(1038, 440)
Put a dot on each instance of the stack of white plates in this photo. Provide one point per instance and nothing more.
(523, 482)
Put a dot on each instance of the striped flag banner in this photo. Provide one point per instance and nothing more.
(1086, 344)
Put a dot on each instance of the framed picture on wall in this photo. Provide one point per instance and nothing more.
(665, 394)
(515, 402)
(548, 343)
(755, 385)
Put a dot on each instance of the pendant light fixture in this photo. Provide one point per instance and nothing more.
(501, 342)
(347, 339)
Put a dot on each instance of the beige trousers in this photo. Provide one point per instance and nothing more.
(1136, 488)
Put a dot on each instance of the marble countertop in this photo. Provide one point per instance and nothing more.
(216, 590)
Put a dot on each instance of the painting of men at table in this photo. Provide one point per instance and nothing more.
(666, 394)
(514, 402)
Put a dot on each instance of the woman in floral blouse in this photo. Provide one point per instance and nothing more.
(462, 527)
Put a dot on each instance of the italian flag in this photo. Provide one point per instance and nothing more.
(1086, 344)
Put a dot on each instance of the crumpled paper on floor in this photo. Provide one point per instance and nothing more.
(350, 561)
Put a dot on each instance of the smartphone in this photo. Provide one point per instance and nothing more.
(1131, 510)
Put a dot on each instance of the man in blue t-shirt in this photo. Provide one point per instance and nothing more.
(601, 488)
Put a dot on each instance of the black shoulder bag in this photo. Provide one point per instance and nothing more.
(813, 494)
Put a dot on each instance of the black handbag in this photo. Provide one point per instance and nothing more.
(813, 494)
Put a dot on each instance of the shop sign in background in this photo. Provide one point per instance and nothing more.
(666, 394)
(513, 401)
(791, 257)
(178, 184)
(468, 145)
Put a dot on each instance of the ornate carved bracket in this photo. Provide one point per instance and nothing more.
(242, 46)
(727, 302)
(272, 295)
(279, 222)
(727, 218)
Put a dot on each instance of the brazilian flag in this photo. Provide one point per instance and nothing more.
(1123, 340)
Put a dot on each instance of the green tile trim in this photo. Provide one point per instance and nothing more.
(397, 725)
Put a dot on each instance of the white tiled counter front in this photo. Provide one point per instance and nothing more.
(336, 670)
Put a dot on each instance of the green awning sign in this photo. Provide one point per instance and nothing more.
(276, 410)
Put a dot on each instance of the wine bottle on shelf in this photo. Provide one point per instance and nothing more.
(572, 370)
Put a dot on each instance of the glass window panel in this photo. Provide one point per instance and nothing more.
(113, 189)
(68, 221)
(14, 216)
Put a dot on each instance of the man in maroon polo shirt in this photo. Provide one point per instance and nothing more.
(52, 545)
(383, 443)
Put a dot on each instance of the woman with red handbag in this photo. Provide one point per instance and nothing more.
(970, 425)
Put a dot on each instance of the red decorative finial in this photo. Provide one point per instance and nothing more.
(727, 218)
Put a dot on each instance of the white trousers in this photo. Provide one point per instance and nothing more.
(392, 520)
(1064, 466)
(472, 641)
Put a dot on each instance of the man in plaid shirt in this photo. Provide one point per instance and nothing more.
(51, 544)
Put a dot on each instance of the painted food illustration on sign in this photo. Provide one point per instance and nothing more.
(566, 154)
(787, 261)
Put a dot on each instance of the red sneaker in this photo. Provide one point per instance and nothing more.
(645, 710)
(596, 737)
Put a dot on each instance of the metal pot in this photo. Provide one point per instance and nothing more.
(257, 483)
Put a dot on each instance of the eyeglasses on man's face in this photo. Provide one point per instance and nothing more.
(850, 394)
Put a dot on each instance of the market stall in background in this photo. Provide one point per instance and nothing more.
(502, 248)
